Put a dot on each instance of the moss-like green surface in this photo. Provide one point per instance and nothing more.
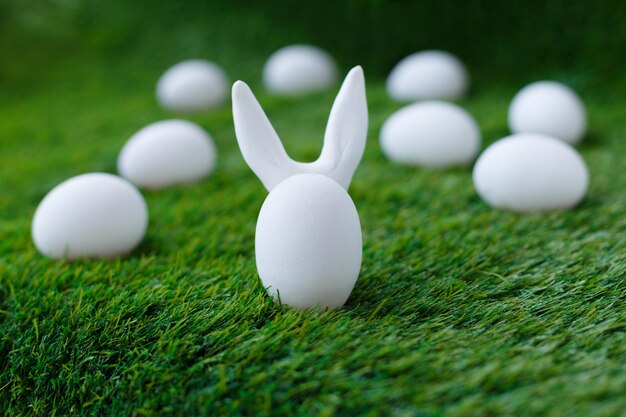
(460, 310)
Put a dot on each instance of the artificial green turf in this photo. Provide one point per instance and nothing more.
(512, 41)
(459, 310)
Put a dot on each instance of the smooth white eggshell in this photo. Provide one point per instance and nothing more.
(549, 108)
(308, 242)
(431, 134)
(299, 69)
(428, 75)
(167, 153)
(94, 215)
(530, 173)
(192, 86)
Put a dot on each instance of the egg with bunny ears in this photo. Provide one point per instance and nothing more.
(308, 239)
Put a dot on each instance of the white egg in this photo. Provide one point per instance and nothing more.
(549, 108)
(530, 173)
(432, 134)
(308, 242)
(428, 75)
(94, 215)
(192, 86)
(299, 69)
(167, 153)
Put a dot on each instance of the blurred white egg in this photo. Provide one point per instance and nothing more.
(167, 153)
(192, 86)
(550, 108)
(428, 75)
(94, 215)
(299, 69)
(308, 242)
(432, 134)
(531, 172)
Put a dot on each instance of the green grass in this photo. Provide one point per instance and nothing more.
(459, 310)
(581, 41)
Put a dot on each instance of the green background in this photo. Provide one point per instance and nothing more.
(580, 41)
(459, 310)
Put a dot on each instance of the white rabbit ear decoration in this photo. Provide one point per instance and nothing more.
(308, 242)
(344, 140)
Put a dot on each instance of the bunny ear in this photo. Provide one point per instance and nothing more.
(344, 141)
(346, 131)
(260, 145)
